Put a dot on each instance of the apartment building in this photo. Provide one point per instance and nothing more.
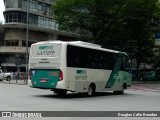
(41, 26)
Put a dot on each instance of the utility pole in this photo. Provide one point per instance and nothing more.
(55, 25)
(27, 24)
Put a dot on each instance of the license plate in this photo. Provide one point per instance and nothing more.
(43, 81)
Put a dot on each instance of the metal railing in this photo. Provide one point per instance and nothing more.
(16, 78)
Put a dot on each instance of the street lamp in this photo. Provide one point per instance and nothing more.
(27, 21)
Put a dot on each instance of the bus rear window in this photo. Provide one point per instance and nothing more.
(46, 50)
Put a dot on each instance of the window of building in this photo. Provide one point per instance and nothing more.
(11, 3)
(20, 17)
(15, 16)
(10, 17)
(11, 43)
(34, 6)
(46, 22)
(29, 43)
(19, 3)
(33, 19)
(24, 4)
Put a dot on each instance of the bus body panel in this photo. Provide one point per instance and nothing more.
(120, 79)
(41, 62)
(48, 58)
(80, 78)
(46, 49)
(44, 78)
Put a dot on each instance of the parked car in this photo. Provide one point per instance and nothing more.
(148, 74)
(5, 75)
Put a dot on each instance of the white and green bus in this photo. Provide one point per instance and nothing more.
(78, 67)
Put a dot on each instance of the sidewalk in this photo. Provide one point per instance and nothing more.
(19, 82)
(146, 82)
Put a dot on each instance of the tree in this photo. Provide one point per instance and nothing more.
(139, 16)
(92, 17)
(126, 25)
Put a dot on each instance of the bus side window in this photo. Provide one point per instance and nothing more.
(109, 61)
(72, 60)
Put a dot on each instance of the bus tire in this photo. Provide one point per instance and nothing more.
(121, 92)
(91, 90)
(8, 78)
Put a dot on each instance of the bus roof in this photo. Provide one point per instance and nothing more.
(81, 44)
(85, 43)
(94, 46)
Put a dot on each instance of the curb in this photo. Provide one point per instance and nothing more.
(145, 82)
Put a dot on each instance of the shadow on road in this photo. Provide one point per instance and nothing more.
(79, 95)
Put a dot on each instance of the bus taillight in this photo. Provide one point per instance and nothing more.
(60, 75)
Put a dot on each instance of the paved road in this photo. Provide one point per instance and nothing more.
(141, 97)
(146, 87)
(22, 97)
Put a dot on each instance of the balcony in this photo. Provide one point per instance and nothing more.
(12, 49)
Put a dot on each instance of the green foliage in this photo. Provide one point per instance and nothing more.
(126, 25)
(93, 17)
(139, 19)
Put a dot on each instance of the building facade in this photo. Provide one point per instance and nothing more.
(41, 26)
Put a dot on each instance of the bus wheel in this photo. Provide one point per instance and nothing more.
(91, 90)
(122, 91)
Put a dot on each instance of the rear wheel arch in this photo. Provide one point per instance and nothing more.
(93, 85)
(91, 89)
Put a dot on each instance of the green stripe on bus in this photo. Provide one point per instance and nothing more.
(45, 47)
(81, 71)
(115, 72)
(44, 78)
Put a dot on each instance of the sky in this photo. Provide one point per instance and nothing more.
(1, 10)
